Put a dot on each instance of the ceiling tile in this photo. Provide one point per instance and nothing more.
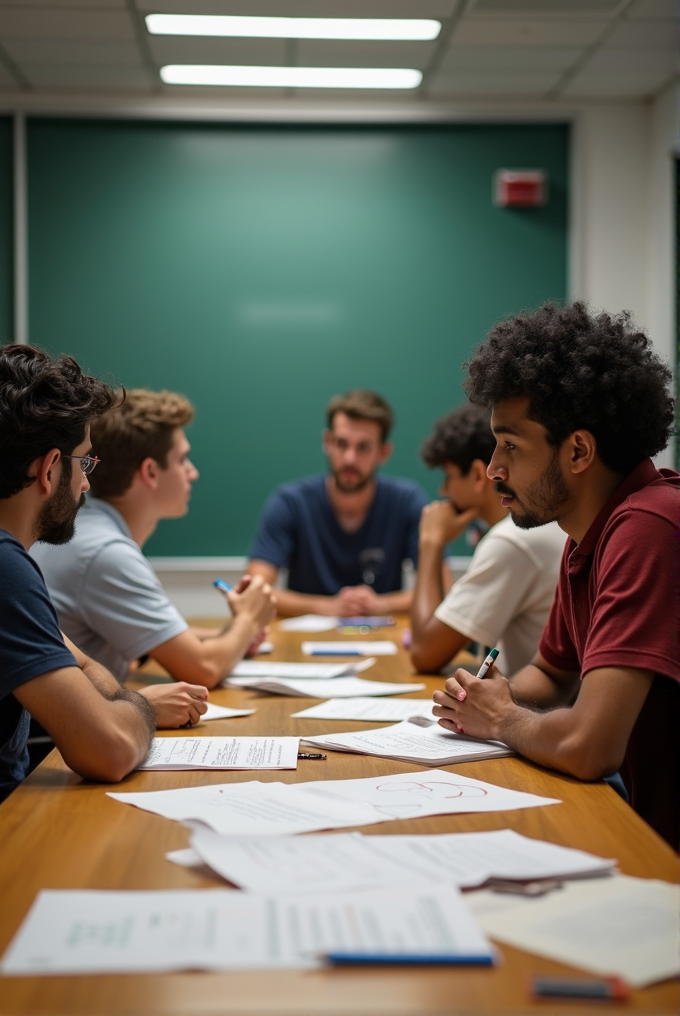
(86, 77)
(183, 50)
(515, 58)
(625, 85)
(332, 53)
(43, 52)
(629, 34)
(64, 24)
(634, 61)
(307, 8)
(525, 32)
(654, 9)
(505, 84)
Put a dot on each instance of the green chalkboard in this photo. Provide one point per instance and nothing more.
(260, 270)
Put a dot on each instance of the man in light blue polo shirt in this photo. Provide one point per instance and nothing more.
(107, 595)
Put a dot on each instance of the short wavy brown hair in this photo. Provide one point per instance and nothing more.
(141, 428)
(362, 404)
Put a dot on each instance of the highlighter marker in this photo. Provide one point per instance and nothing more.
(609, 989)
(488, 663)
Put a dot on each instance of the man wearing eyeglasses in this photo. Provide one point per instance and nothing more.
(108, 597)
(102, 730)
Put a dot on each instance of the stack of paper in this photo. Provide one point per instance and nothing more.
(339, 687)
(222, 753)
(96, 932)
(620, 925)
(269, 809)
(349, 861)
(297, 671)
(382, 648)
(375, 710)
(410, 743)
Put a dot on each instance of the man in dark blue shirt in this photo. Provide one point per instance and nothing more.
(102, 730)
(343, 537)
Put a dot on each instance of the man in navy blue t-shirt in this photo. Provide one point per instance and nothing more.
(343, 537)
(102, 730)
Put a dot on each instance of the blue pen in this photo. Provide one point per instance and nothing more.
(488, 663)
(396, 959)
(223, 586)
(336, 652)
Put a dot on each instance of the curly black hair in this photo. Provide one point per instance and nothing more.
(44, 404)
(578, 370)
(460, 437)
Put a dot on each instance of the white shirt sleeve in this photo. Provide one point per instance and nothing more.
(122, 600)
(484, 601)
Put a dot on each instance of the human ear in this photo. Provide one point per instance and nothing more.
(479, 477)
(326, 440)
(386, 450)
(148, 472)
(41, 468)
(582, 449)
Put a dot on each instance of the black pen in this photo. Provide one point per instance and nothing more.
(609, 989)
(311, 754)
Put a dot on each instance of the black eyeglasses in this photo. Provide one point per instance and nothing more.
(87, 462)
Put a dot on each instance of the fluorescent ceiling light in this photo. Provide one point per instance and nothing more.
(291, 77)
(293, 28)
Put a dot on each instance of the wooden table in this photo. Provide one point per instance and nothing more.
(58, 831)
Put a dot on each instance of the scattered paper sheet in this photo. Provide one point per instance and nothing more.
(619, 925)
(265, 647)
(98, 932)
(309, 623)
(339, 687)
(410, 743)
(254, 808)
(222, 753)
(298, 671)
(415, 795)
(382, 648)
(376, 710)
(340, 862)
(216, 712)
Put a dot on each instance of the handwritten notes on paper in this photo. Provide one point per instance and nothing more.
(222, 753)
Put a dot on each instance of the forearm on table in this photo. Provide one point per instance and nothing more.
(536, 689)
(398, 602)
(290, 603)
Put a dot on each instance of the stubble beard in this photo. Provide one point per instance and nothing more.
(545, 498)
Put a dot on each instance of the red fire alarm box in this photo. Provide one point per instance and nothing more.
(520, 188)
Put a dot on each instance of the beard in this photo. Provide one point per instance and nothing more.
(56, 522)
(360, 481)
(544, 498)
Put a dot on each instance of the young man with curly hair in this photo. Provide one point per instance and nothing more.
(108, 597)
(103, 731)
(579, 404)
(506, 593)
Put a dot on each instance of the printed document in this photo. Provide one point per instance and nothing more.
(430, 746)
(99, 932)
(254, 808)
(339, 862)
(374, 710)
(339, 687)
(216, 712)
(433, 792)
(620, 925)
(222, 753)
(382, 648)
(309, 623)
(297, 671)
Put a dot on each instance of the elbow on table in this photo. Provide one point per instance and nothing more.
(425, 660)
(590, 760)
(110, 759)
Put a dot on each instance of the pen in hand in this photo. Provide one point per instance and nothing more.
(488, 663)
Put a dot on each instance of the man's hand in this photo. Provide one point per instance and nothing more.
(473, 705)
(440, 523)
(357, 601)
(254, 598)
(254, 648)
(176, 704)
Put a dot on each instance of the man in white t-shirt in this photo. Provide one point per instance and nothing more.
(505, 595)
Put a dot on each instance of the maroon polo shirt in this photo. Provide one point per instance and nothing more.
(617, 604)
